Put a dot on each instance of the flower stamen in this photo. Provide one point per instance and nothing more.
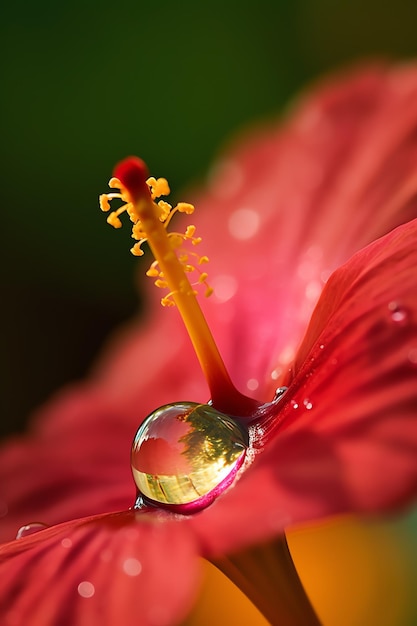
(173, 262)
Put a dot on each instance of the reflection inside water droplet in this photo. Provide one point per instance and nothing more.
(185, 454)
(30, 529)
(279, 393)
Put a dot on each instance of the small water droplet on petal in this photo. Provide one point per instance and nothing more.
(308, 404)
(398, 314)
(132, 567)
(66, 542)
(30, 529)
(275, 374)
(225, 287)
(252, 384)
(279, 393)
(86, 589)
(244, 224)
(294, 404)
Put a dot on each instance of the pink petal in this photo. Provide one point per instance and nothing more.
(345, 439)
(126, 568)
(293, 202)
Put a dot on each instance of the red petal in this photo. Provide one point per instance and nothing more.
(73, 468)
(345, 439)
(340, 172)
(126, 568)
(294, 202)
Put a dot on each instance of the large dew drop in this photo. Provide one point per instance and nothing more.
(185, 454)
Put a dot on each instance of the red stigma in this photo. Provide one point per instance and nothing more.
(133, 174)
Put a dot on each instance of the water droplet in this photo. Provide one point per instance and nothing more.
(279, 393)
(66, 542)
(244, 224)
(321, 346)
(225, 287)
(132, 567)
(275, 374)
(30, 529)
(313, 290)
(185, 454)
(398, 314)
(308, 404)
(294, 404)
(252, 384)
(86, 589)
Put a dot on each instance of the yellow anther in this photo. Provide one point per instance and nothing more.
(137, 250)
(163, 212)
(104, 202)
(190, 230)
(114, 220)
(158, 187)
(114, 183)
(208, 292)
(137, 231)
(203, 259)
(167, 300)
(185, 207)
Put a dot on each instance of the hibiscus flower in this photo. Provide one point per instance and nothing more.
(313, 263)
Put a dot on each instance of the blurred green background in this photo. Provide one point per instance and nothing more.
(86, 83)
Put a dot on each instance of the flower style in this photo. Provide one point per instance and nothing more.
(317, 223)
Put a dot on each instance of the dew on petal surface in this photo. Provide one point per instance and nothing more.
(225, 287)
(252, 384)
(132, 567)
(244, 224)
(398, 314)
(86, 589)
(185, 454)
(30, 529)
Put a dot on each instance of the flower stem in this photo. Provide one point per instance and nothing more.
(267, 575)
